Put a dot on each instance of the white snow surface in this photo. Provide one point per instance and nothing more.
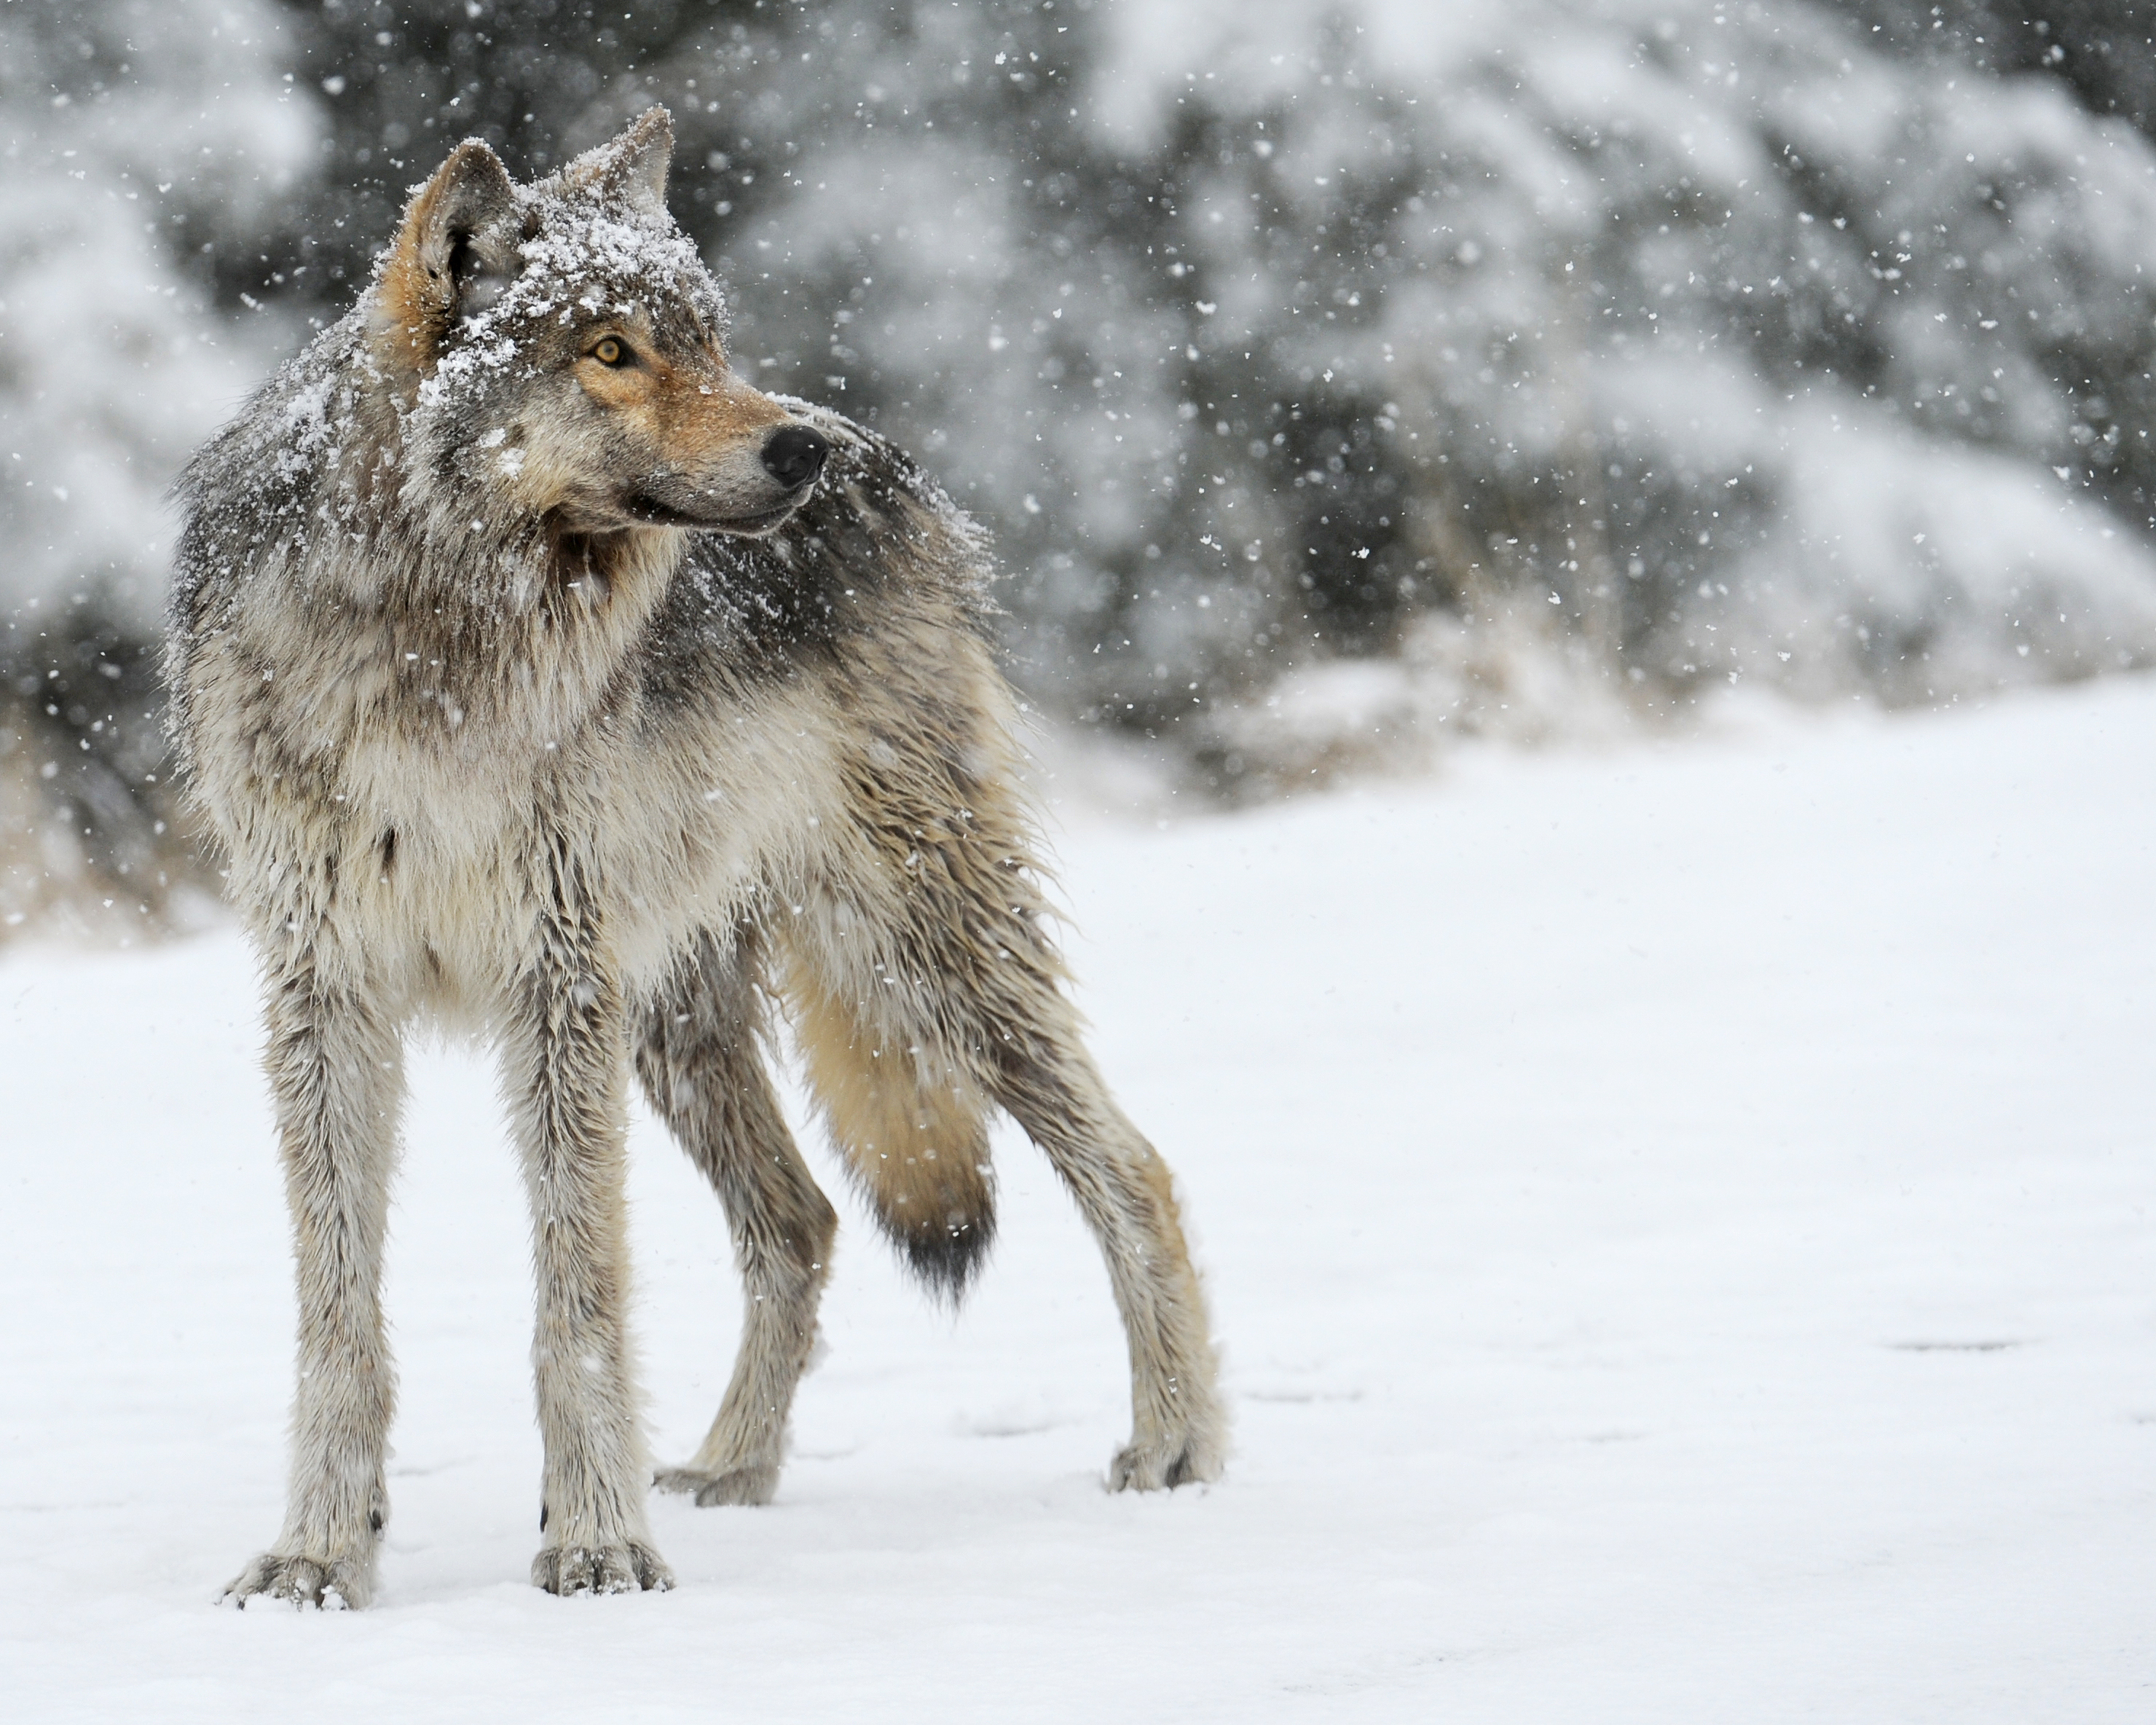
(1678, 1219)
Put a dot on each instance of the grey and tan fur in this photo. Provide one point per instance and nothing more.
(530, 677)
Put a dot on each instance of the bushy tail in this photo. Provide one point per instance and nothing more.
(915, 1139)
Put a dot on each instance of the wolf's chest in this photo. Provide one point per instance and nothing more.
(676, 823)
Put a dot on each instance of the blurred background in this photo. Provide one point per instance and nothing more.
(1336, 380)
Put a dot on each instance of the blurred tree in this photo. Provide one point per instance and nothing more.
(143, 139)
(2096, 358)
(401, 82)
(2103, 50)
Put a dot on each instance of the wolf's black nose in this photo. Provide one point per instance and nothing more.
(793, 455)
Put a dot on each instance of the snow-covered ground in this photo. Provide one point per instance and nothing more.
(1679, 1219)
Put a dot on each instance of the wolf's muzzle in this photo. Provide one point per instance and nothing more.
(793, 455)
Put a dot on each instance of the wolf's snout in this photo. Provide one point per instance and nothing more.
(793, 455)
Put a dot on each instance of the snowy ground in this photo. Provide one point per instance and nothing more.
(1679, 1220)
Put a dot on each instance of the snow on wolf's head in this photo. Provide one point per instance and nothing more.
(561, 350)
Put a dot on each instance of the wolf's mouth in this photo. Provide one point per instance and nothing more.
(651, 512)
(752, 524)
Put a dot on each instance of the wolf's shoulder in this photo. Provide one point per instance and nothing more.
(878, 541)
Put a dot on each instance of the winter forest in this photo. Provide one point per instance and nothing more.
(1335, 380)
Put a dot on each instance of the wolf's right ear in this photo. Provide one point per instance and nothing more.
(632, 167)
(454, 252)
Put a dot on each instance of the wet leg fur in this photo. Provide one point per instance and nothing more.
(926, 949)
(565, 1060)
(1007, 1028)
(336, 1072)
(1126, 1193)
(699, 1054)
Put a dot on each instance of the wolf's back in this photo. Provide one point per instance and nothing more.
(877, 545)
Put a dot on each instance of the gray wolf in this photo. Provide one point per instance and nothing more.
(534, 674)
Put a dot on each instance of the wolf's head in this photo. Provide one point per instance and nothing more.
(563, 348)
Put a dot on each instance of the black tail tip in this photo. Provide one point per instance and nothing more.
(947, 1259)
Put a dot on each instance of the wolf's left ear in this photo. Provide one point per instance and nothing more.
(455, 250)
(632, 167)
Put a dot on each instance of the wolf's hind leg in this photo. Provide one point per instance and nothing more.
(698, 1054)
(951, 989)
(995, 978)
(1049, 1084)
(336, 1070)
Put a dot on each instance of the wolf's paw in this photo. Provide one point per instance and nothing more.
(331, 1584)
(1183, 1459)
(626, 1569)
(754, 1484)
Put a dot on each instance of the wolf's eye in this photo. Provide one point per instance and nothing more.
(609, 352)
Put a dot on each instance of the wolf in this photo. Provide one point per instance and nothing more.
(534, 675)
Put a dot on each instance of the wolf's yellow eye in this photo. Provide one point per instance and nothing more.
(609, 352)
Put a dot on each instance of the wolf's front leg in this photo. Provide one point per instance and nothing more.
(566, 1059)
(336, 1068)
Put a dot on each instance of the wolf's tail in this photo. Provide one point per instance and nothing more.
(914, 1134)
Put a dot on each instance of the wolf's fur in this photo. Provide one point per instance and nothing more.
(514, 694)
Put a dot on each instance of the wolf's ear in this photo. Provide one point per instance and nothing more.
(456, 249)
(632, 167)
